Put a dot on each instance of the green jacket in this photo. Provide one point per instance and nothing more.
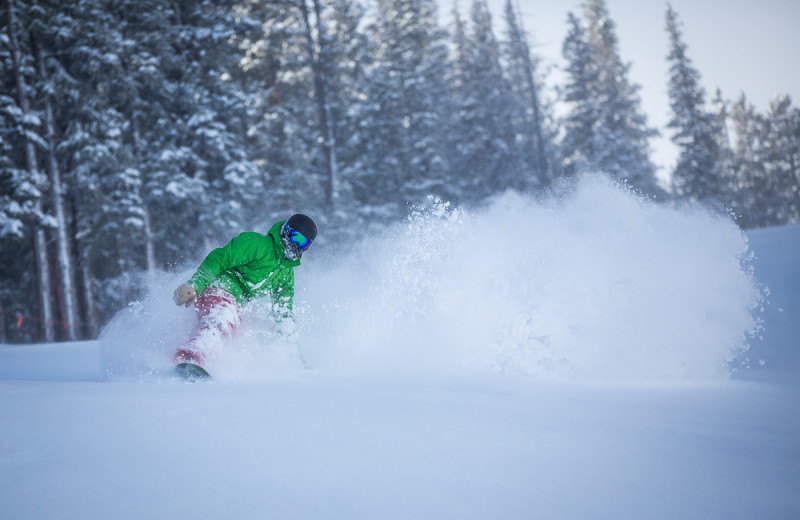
(250, 266)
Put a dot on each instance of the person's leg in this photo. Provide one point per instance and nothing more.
(218, 315)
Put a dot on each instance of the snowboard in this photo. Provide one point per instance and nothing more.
(190, 372)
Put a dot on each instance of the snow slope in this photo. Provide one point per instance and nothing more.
(563, 358)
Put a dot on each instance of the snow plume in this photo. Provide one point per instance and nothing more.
(594, 285)
(597, 285)
(140, 342)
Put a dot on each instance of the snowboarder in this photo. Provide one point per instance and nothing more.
(250, 266)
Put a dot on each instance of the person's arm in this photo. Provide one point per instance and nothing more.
(239, 251)
(284, 292)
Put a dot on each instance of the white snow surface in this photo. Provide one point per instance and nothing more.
(590, 355)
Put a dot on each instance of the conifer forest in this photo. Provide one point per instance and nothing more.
(136, 135)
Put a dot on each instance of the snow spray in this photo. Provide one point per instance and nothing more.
(596, 285)
(141, 341)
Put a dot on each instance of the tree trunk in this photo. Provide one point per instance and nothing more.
(524, 50)
(2, 323)
(150, 248)
(32, 165)
(90, 320)
(93, 320)
(149, 243)
(66, 273)
(317, 54)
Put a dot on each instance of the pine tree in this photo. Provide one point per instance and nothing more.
(85, 51)
(697, 174)
(606, 130)
(765, 189)
(13, 197)
(404, 119)
(211, 118)
(63, 239)
(14, 206)
(33, 181)
(144, 90)
(462, 178)
(140, 109)
(780, 191)
(749, 129)
(726, 164)
(320, 63)
(577, 144)
(283, 133)
(349, 57)
(488, 155)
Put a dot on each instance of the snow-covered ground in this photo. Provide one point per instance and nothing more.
(577, 358)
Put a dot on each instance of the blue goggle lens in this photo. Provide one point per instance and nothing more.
(299, 239)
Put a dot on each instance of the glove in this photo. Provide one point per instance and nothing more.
(185, 294)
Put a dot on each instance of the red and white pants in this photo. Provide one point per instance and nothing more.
(218, 315)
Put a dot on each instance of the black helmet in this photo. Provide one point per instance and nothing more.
(303, 225)
(297, 233)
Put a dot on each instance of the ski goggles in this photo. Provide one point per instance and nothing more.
(298, 238)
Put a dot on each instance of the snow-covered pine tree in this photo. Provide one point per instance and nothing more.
(82, 50)
(604, 115)
(749, 129)
(488, 158)
(348, 57)
(31, 183)
(780, 191)
(264, 29)
(144, 89)
(577, 144)
(284, 130)
(15, 254)
(750, 134)
(209, 110)
(726, 161)
(697, 174)
(312, 135)
(767, 154)
(623, 135)
(462, 180)
(318, 44)
(68, 300)
(402, 138)
(12, 201)
(143, 95)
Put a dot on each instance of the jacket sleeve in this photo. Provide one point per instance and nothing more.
(239, 251)
(284, 294)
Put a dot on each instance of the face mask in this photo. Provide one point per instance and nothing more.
(291, 251)
(294, 242)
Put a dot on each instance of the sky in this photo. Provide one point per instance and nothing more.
(737, 45)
